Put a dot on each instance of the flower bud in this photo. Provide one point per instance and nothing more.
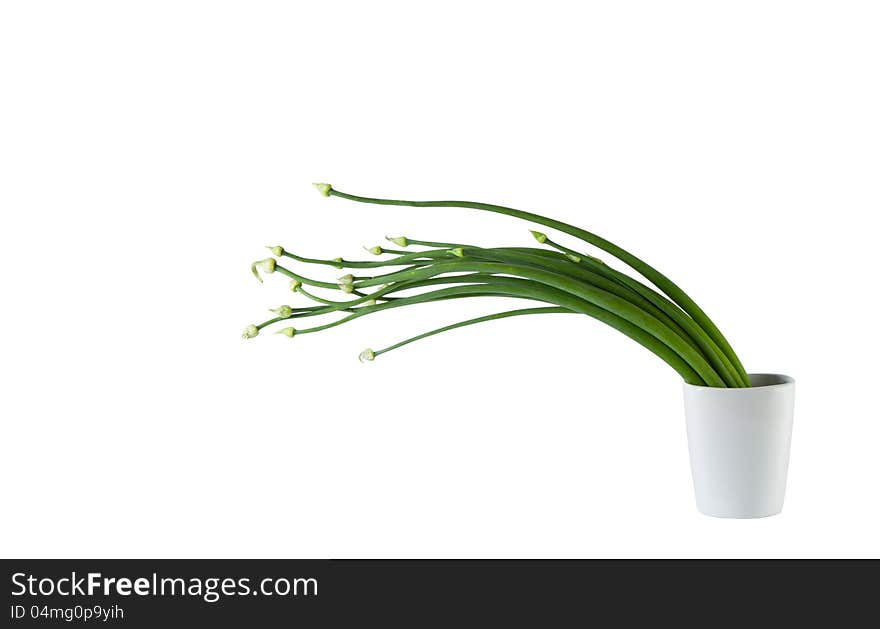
(346, 279)
(250, 332)
(369, 302)
(338, 262)
(458, 252)
(294, 285)
(277, 250)
(541, 238)
(376, 251)
(282, 311)
(595, 259)
(400, 241)
(346, 288)
(367, 354)
(323, 188)
(288, 332)
(573, 257)
(267, 266)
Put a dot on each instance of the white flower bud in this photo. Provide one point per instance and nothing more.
(277, 250)
(250, 332)
(323, 188)
(376, 251)
(282, 311)
(541, 238)
(400, 241)
(267, 266)
(367, 354)
(369, 302)
(294, 285)
(288, 332)
(346, 279)
(346, 288)
(338, 262)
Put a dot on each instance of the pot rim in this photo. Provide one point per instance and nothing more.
(775, 381)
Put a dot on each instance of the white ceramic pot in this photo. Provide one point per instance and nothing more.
(739, 440)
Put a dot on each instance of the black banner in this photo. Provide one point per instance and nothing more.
(266, 593)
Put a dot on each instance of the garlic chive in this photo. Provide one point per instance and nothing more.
(663, 283)
(563, 280)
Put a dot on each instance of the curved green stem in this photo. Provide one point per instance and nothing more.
(533, 290)
(461, 324)
(429, 243)
(710, 349)
(592, 294)
(305, 280)
(565, 266)
(407, 257)
(658, 279)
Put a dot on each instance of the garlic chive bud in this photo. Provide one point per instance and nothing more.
(458, 252)
(376, 251)
(367, 354)
(294, 285)
(277, 250)
(323, 188)
(346, 279)
(573, 257)
(400, 241)
(369, 302)
(250, 332)
(282, 311)
(346, 288)
(338, 262)
(266, 266)
(541, 238)
(595, 259)
(288, 332)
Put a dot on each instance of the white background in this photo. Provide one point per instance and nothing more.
(150, 150)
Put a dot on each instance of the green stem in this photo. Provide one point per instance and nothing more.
(429, 243)
(532, 290)
(408, 257)
(710, 349)
(565, 266)
(602, 299)
(305, 280)
(461, 324)
(653, 275)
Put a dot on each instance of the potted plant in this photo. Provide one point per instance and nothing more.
(738, 424)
